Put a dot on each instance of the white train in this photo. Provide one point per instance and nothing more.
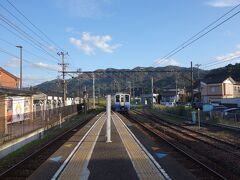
(121, 102)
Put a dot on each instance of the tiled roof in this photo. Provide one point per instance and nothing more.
(217, 79)
(15, 92)
(8, 73)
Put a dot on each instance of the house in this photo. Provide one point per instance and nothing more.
(172, 94)
(147, 99)
(8, 80)
(219, 88)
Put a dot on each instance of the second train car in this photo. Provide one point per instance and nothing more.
(121, 102)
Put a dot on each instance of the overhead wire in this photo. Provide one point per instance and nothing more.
(219, 62)
(19, 20)
(25, 50)
(25, 34)
(25, 60)
(193, 39)
(34, 25)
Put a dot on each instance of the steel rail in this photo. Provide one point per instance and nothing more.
(44, 147)
(150, 129)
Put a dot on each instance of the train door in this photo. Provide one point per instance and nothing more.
(122, 100)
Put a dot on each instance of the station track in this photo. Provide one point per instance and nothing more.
(220, 144)
(205, 164)
(224, 156)
(24, 168)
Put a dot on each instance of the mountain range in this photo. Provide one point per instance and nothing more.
(137, 80)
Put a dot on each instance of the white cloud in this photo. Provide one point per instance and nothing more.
(13, 63)
(85, 47)
(85, 8)
(52, 48)
(88, 43)
(229, 56)
(223, 3)
(46, 66)
(166, 62)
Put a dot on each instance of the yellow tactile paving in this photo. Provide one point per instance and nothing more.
(143, 165)
(77, 167)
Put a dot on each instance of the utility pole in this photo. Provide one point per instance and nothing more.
(130, 88)
(176, 91)
(64, 65)
(152, 92)
(198, 65)
(20, 47)
(93, 91)
(98, 94)
(191, 84)
(79, 92)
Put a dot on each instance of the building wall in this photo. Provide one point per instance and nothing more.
(219, 91)
(8, 81)
(236, 91)
(228, 90)
(3, 123)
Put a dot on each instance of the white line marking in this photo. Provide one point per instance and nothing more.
(163, 172)
(55, 176)
(85, 171)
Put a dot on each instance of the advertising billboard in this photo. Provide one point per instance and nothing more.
(18, 109)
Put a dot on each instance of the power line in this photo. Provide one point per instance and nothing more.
(26, 35)
(25, 50)
(192, 40)
(220, 62)
(25, 60)
(34, 25)
(24, 24)
(29, 42)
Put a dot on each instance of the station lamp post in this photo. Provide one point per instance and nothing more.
(20, 47)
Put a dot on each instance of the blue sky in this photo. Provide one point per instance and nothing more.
(99, 34)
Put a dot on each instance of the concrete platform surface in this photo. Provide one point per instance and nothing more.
(87, 156)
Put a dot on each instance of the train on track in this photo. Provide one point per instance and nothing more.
(121, 102)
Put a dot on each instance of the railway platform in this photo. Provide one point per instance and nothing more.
(87, 155)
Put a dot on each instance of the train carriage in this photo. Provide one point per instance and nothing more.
(121, 102)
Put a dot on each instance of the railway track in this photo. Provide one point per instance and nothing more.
(207, 124)
(220, 144)
(171, 139)
(24, 168)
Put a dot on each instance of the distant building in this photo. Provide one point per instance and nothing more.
(172, 95)
(146, 99)
(8, 80)
(219, 88)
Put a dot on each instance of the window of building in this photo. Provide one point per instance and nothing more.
(214, 89)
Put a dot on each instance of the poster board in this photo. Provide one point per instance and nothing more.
(18, 109)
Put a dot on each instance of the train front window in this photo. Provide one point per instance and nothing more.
(122, 98)
(117, 98)
(126, 98)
